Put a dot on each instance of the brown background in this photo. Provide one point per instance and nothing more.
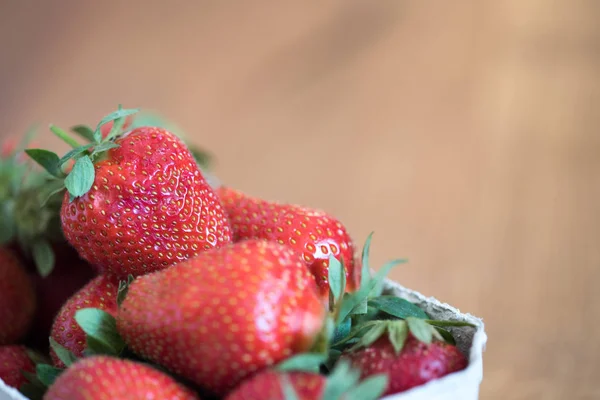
(464, 133)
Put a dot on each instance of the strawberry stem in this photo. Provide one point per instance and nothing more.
(64, 136)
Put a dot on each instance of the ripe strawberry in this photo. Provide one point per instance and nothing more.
(269, 386)
(312, 233)
(101, 377)
(13, 360)
(225, 314)
(17, 298)
(100, 293)
(142, 207)
(407, 360)
(283, 383)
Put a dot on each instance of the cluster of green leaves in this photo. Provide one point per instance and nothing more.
(362, 317)
(342, 383)
(81, 177)
(29, 208)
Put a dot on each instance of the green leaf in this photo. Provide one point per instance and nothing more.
(84, 131)
(349, 302)
(420, 329)
(47, 374)
(450, 323)
(376, 284)
(120, 113)
(32, 377)
(102, 327)
(123, 289)
(337, 280)
(289, 393)
(64, 355)
(81, 178)
(43, 257)
(8, 227)
(47, 159)
(98, 347)
(308, 362)
(366, 269)
(334, 356)
(361, 308)
(397, 333)
(36, 357)
(372, 388)
(203, 158)
(75, 153)
(105, 146)
(341, 379)
(370, 336)
(64, 136)
(397, 307)
(446, 336)
(342, 330)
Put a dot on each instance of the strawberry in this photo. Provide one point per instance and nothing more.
(312, 233)
(100, 293)
(17, 298)
(13, 360)
(411, 353)
(137, 203)
(269, 386)
(101, 377)
(225, 314)
(287, 382)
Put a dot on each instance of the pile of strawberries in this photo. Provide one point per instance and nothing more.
(152, 283)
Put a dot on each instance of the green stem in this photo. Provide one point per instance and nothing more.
(64, 136)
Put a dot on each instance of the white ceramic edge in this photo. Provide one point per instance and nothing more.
(463, 385)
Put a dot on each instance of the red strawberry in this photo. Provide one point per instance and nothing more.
(100, 293)
(137, 203)
(13, 360)
(407, 361)
(17, 298)
(221, 316)
(269, 386)
(101, 377)
(312, 233)
(285, 383)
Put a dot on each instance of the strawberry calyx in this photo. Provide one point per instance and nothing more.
(44, 376)
(343, 382)
(29, 209)
(79, 180)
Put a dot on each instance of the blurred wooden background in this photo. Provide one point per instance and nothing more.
(464, 133)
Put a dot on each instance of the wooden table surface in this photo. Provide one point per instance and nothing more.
(465, 134)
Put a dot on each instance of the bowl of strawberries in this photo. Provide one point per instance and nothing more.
(182, 288)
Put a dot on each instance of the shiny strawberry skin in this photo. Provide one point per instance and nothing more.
(267, 386)
(13, 360)
(100, 292)
(416, 364)
(312, 233)
(17, 298)
(101, 377)
(225, 314)
(149, 207)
